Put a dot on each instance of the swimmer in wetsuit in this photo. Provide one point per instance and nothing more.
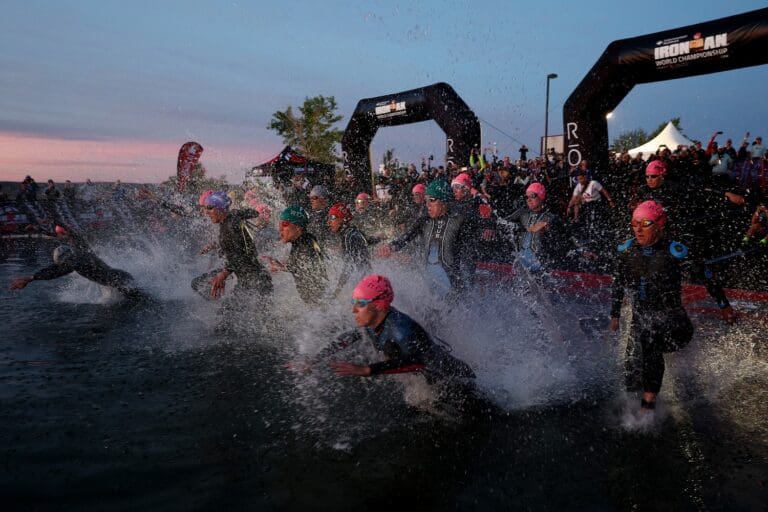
(405, 345)
(446, 240)
(350, 243)
(74, 255)
(306, 261)
(237, 247)
(650, 267)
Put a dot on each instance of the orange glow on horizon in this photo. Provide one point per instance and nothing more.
(128, 160)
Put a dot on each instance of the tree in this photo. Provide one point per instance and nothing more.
(311, 132)
(633, 138)
(675, 121)
(629, 139)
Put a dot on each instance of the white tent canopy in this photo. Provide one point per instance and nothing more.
(669, 136)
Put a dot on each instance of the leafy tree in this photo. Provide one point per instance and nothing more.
(633, 138)
(311, 131)
(629, 139)
(675, 121)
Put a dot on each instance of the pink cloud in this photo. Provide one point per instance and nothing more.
(127, 160)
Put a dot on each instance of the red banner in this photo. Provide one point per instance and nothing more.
(189, 155)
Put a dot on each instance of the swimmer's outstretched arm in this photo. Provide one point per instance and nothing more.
(343, 341)
(396, 363)
(50, 272)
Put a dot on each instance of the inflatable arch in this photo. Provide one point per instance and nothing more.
(438, 102)
(719, 45)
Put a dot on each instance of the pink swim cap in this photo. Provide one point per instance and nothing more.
(61, 230)
(462, 179)
(362, 196)
(265, 212)
(657, 167)
(650, 210)
(538, 189)
(419, 188)
(376, 288)
(203, 197)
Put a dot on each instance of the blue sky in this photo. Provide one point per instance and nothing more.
(108, 89)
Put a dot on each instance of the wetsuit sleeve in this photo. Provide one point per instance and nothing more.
(468, 252)
(397, 362)
(343, 341)
(617, 288)
(712, 283)
(516, 215)
(414, 230)
(52, 272)
(242, 251)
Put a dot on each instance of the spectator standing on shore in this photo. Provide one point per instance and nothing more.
(69, 191)
(586, 198)
(30, 189)
(51, 192)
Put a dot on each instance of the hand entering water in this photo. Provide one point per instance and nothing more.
(299, 366)
(20, 282)
(218, 283)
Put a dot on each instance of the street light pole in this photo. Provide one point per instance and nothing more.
(546, 114)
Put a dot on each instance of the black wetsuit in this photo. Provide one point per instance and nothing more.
(478, 213)
(448, 243)
(242, 258)
(542, 248)
(307, 264)
(653, 276)
(356, 259)
(406, 347)
(78, 257)
(318, 225)
(696, 215)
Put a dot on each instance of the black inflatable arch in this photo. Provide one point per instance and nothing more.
(719, 45)
(438, 102)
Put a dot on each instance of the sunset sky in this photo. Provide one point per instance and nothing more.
(111, 90)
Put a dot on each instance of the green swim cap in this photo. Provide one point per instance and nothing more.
(295, 214)
(440, 190)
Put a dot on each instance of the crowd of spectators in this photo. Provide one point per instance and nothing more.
(710, 193)
(88, 192)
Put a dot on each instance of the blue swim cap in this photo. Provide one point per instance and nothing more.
(219, 200)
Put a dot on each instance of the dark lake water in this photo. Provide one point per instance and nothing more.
(105, 406)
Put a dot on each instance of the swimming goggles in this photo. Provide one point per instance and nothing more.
(361, 303)
(642, 223)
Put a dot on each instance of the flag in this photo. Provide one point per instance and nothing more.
(189, 155)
